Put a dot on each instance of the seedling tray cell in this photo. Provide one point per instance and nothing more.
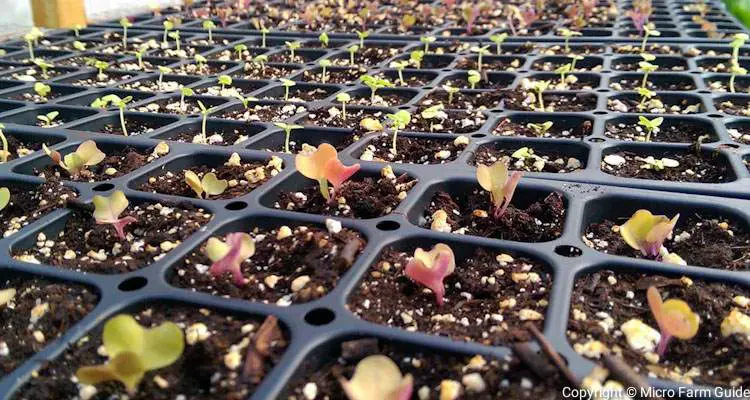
(596, 170)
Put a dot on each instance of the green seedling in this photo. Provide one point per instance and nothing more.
(399, 121)
(4, 200)
(175, 35)
(200, 61)
(31, 38)
(323, 38)
(416, 57)
(540, 129)
(209, 185)
(738, 40)
(473, 77)
(648, 30)
(121, 104)
(293, 46)
(209, 25)
(562, 71)
(451, 92)
(399, 66)
(323, 65)
(244, 100)
(434, 113)
(133, 351)
(645, 94)
(647, 68)
(287, 128)
(539, 87)
(261, 59)
(499, 183)
(86, 155)
(375, 83)
(125, 24)
(647, 232)
(481, 52)
(101, 66)
(204, 116)
(573, 59)
(162, 70)
(42, 90)
(6, 151)
(48, 118)
(651, 125)
(674, 317)
(168, 26)
(735, 70)
(287, 83)
(263, 32)
(498, 39)
(427, 40)
(224, 81)
(44, 66)
(362, 36)
(80, 46)
(352, 51)
(567, 34)
(77, 29)
(240, 49)
(139, 55)
(343, 98)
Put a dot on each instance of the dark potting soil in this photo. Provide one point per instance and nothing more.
(334, 118)
(290, 266)
(467, 100)
(506, 127)
(735, 106)
(339, 76)
(682, 131)
(28, 205)
(527, 101)
(122, 161)
(380, 99)
(202, 372)
(490, 64)
(357, 198)
(540, 161)
(263, 112)
(708, 168)
(652, 84)
(603, 301)
(500, 378)
(708, 242)
(455, 122)
(39, 313)
(470, 214)
(84, 245)
(413, 150)
(488, 298)
(134, 127)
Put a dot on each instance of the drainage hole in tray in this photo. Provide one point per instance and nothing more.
(131, 284)
(596, 140)
(388, 225)
(320, 316)
(236, 205)
(103, 187)
(478, 135)
(568, 251)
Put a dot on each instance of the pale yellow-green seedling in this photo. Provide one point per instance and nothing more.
(434, 113)
(4, 197)
(498, 39)
(287, 83)
(324, 39)
(293, 46)
(539, 87)
(107, 210)
(377, 377)
(323, 65)
(651, 125)
(353, 49)
(399, 66)
(451, 92)
(209, 25)
(540, 129)
(648, 30)
(674, 317)
(209, 185)
(501, 186)
(43, 90)
(287, 128)
(567, 34)
(86, 155)
(416, 57)
(48, 118)
(5, 152)
(125, 24)
(473, 77)
(399, 120)
(134, 350)
(362, 36)
(343, 98)
(735, 70)
(647, 232)
(427, 40)
(371, 125)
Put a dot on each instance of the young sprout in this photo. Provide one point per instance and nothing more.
(738, 40)
(168, 26)
(224, 81)
(101, 65)
(4, 198)
(80, 46)
(125, 23)
(343, 98)
(134, 350)
(263, 32)
(185, 91)
(567, 34)
(244, 100)
(261, 59)
(352, 50)
(646, 67)
(287, 83)
(293, 46)
(735, 70)
(176, 37)
(433, 113)
(209, 25)
(495, 179)
(645, 95)
(324, 64)
(107, 210)
(647, 232)
(204, 114)
(651, 125)
(473, 77)
(201, 61)
(121, 103)
(239, 49)
(427, 40)
(451, 91)
(539, 87)
(287, 128)
(498, 39)
(48, 118)
(481, 51)
(228, 255)
(648, 30)
(77, 29)
(323, 165)
(430, 268)
(416, 57)
(209, 185)
(5, 152)
(674, 317)
(323, 38)
(44, 66)
(562, 71)
(540, 129)
(399, 66)
(399, 121)
(162, 70)
(573, 59)
(362, 36)
(86, 155)
(139, 55)
(42, 90)
(374, 83)
(377, 377)
(31, 38)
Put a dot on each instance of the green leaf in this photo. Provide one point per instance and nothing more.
(108, 209)
(4, 197)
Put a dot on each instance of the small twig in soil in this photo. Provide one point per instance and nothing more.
(349, 252)
(623, 373)
(536, 363)
(355, 350)
(550, 351)
(269, 332)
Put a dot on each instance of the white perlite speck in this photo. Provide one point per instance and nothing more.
(310, 391)
(333, 226)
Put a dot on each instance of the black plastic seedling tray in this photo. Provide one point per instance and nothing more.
(317, 327)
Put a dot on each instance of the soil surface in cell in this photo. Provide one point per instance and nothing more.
(27, 204)
(702, 168)
(115, 164)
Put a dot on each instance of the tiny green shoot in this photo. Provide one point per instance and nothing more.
(352, 51)
(323, 65)
(648, 30)
(451, 92)
(323, 38)
(239, 49)
(48, 118)
(209, 25)
(204, 114)
(293, 46)
(287, 83)
(567, 34)
(427, 40)
(651, 125)
(399, 121)
(162, 70)
(362, 36)
(287, 128)
(209, 185)
(498, 39)
(343, 98)
(125, 23)
(540, 129)
(43, 90)
(399, 66)
(416, 57)
(481, 52)
(473, 77)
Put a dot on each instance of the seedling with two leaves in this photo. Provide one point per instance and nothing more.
(44, 66)
(323, 165)
(343, 98)
(398, 121)
(86, 155)
(651, 125)
(451, 92)
(399, 66)
(498, 39)
(375, 83)
(646, 67)
(473, 77)
(209, 185)
(117, 101)
(323, 65)
(648, 30)
(481, 52)
(427, 40)
(499, 183)
(674, 317)
(204, 116)
(377, 377)
(209, 26)
(540, 129)
(647, 232)
(125, 24)
(293, 46)
(433, 113)
(107, 210)
(43, 90)
(162, 70)
(227, 256)
(287, 128)
(567, 34)
(430, 268)
(416, 57)
(48, 119)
